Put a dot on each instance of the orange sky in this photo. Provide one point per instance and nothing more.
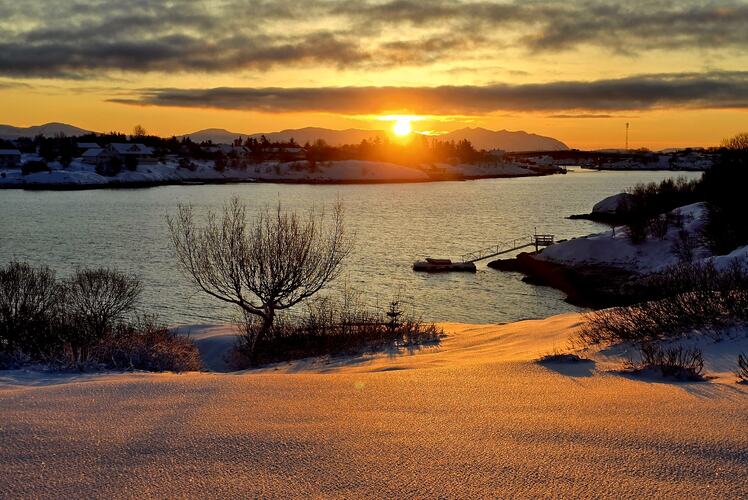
(674, 72)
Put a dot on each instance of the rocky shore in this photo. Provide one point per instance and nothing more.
(590, 285)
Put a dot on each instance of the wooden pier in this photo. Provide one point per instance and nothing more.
(468, 260)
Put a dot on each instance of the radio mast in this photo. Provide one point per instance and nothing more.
(627, 136)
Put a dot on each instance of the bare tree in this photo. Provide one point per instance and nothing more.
(139, 131)
(94, 300)
(28, 297)
(738, 142)
(268, 264)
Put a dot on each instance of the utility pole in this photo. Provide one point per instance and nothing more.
(627, 137)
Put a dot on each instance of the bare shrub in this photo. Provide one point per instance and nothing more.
(28, 298)
(95, 300)
(677, 362)
(742, 372)
(658, 226)
(264, 266)
(684, 247)
(681, 299)
(329, 327)
(147, 345)
(643, 209)
(737, 142)
(561, 357)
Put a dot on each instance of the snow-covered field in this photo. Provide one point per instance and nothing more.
(475, 417)
(82, 174)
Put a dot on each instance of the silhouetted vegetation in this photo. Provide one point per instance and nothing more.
(110, 168)
(676, 362)
(33, 167)
(723, 187)
(644, 209)
(328, 327)
(264, 265)
(742, 372)
(675, 302)
(84, 321)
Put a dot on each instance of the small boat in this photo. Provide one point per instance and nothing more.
(442, 265)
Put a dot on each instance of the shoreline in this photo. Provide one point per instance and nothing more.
(201, 182)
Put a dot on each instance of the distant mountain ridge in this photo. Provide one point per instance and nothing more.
(481, 138)
(48, 130)
(520, 140)
(300, 135)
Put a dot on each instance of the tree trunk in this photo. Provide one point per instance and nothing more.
(268, 317)
(267, 322)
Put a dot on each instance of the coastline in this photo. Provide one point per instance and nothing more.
(197, 182)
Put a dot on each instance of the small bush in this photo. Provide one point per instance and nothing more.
(742, 372)
(109, 168)
(131, 163)
(220, 165)
(675, 302)
(676, 362)
(146, 345)
(33, 167)
(557, 357)
(684, 247)
(642, 212)
(81, 322)
(328, 327)
(95, 300)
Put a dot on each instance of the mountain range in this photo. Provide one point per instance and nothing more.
(481, 138)
(48, 130)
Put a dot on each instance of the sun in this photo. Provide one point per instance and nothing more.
(402, 127)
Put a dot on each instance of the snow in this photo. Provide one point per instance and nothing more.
(611, 204)
(723, 262)
(475, 417)
(614, 248)
(214, 344)
(80, 173)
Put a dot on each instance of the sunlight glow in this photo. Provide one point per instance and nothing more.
(402, 126)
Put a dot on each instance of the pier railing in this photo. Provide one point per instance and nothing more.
(536, 240)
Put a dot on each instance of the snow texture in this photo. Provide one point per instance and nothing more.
(476, 417)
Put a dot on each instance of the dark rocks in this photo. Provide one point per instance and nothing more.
(586, 286)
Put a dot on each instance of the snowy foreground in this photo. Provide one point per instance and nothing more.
(477, 416)
(82, 175)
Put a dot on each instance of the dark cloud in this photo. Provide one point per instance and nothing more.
(690, 90)
(584, 116)
(78, 38)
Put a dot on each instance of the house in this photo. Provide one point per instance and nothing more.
(93, 156)
(87, 145)
(227, 149)
(10, 158)
(142, 153)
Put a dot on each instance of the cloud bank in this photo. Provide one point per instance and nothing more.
(644, 92)
(90, 38)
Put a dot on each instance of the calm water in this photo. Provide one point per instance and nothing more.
(395, 224)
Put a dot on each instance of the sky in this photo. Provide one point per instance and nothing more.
(574, 70)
